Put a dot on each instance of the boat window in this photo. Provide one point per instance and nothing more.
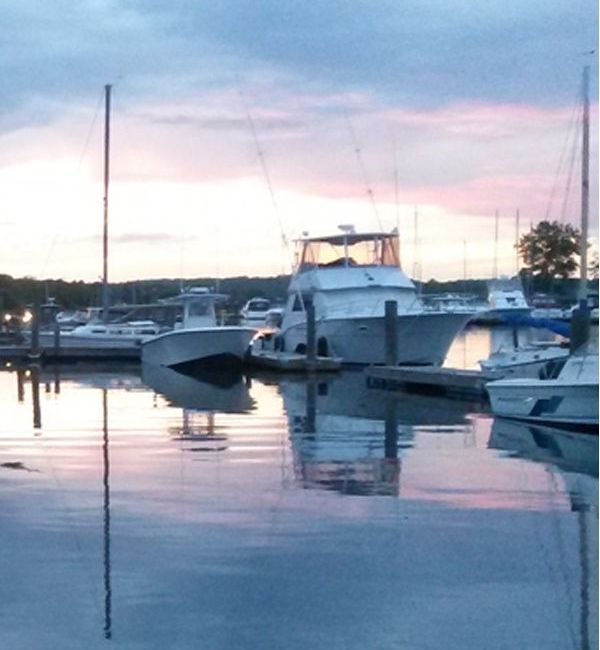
(370, 251)
(199, 308)
(99, 331)
(258, 305)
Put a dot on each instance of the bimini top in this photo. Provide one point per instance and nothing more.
(349, 249)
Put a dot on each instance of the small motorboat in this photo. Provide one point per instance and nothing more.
(568, 398)
(198, 339)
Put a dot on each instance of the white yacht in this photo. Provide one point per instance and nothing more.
(198, 339)
(96, 334)
(569, 398)
(348, 277)
(254, 312)
(530, 360)
(505, 300)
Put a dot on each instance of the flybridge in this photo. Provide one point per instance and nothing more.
(349, 249)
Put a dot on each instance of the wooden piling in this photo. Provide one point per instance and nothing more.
(580, 326)
(34, 351)
(391, 332)
(311, 337)
(56, 340)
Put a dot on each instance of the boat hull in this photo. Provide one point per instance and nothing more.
(422, 339)
(501, 315)
(70, 341)
(549, 401)
(198, 346)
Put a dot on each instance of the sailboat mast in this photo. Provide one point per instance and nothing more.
(517, 229)
(496, 216)
(585, 183)
(105, 299)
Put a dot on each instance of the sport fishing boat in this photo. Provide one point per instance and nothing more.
(198, 339)
(568, 398)
(348, 277)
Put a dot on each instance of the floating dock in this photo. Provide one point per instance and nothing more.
(22, 353)
(292, 362)
(432, 379)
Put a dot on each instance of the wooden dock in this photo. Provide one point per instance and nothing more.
(22, 353)
(431, 379)
(292, 362)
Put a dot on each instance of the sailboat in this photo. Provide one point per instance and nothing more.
(571, 396)
(97, 332)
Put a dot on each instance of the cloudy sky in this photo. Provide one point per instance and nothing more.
(237, 121)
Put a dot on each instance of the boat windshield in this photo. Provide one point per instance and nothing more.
(349, 250)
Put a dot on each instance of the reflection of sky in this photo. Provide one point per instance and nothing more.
(225, 550)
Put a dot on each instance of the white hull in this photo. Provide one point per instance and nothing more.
(551, 400)
(422, 338)
(499, 315)
(198, 345)
(522, 363)
(70, 341)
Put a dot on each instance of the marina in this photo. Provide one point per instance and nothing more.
(299, 326)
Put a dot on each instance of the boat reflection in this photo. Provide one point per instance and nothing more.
(349, 438)
(200, 400)
(571, 451)
(575, 454)
(223, 392)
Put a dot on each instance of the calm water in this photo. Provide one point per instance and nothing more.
(160, 511)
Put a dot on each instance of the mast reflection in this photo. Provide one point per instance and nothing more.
(106, 513)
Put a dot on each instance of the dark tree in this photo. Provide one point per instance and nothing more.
(548, 250)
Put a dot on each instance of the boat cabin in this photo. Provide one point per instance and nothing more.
(349, 249)
(198, 307)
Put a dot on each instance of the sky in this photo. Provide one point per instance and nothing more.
(237, 125)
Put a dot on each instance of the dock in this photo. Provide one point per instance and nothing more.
(23, 353)
(292, 362)
(431, 379)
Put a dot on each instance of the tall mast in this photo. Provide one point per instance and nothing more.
(496, 245)
(517, 219)
(105, 298)
(585, 183)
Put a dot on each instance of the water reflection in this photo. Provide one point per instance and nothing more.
(570, 451)
(349, 438)
(106, 513)
(224, 392)
(575, 455)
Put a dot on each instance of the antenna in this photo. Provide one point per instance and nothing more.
(263, 165)
(363, 171)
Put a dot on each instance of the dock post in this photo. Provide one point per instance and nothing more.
(56, 340)
(580, 326)
(35, 397)
(34, 351)
(311, 337)
(391, 332)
